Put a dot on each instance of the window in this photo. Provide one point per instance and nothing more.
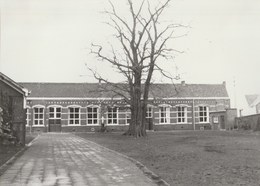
(38, 115)
(164, 113)
(27, 116)
(54, 113)
(149, 112)
(112, 115)
(128, 116)
(92, 115)
(74, 115)
(181, 114)
(203, 114)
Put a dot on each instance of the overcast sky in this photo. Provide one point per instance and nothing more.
(49, 41)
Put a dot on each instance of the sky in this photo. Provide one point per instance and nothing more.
(49, 41)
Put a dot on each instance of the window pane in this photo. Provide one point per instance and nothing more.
(51, 109)
(58, 109)
(58, 115)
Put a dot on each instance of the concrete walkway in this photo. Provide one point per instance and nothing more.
(65, 159)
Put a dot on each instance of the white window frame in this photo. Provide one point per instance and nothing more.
(74, 118)
(204, 112)
(27, 116)
(112, 114)
(127, 116)
(92, 114)
(183, 114)
(166, 111)
(55, 111)
(149, 112)
(38, 114)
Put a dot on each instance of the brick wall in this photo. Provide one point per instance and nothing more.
(247, 122)
(16, 109)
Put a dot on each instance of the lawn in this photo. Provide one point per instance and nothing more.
(192, 158)
(8, 151)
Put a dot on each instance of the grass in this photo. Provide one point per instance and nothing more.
(8, 151)
(197, 158)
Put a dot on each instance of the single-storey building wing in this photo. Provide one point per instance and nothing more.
(65, 107)
(12, 106)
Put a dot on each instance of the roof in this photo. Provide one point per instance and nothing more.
(253, 99)
(19, 88)
(93, 90)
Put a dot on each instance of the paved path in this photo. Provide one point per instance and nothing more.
(65, 159)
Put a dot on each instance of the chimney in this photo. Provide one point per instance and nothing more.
(183, 83)
(224, 83)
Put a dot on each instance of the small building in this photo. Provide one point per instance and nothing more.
(13, 104)
(81, 107)
(253, 102)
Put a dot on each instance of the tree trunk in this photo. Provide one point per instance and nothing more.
(137, 124)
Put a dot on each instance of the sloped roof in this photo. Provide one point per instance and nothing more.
(4, 78)
(92, 90)
(253, 99)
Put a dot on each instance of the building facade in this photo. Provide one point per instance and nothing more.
(13, 104)
(81, 107)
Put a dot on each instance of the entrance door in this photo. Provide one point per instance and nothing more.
(222, 122)
(54, 119)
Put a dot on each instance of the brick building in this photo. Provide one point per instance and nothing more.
(65, 107)
(13, 104)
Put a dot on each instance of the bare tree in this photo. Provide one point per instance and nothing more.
(143, 42)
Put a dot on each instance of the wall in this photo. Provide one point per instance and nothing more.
(16, 109)
(192, 110)
(247, 122)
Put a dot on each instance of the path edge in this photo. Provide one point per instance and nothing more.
(147, 172)
(10, 161)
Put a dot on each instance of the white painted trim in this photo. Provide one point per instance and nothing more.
(54, 106)
(98, 99)
(92, 106)
(73, 106)
(38, 106)
(39, 126)
(164, 105)
(70, 98)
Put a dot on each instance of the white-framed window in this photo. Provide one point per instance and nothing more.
(215, 119)
(181, 114)
(149, 112)
(164, 114)
(203, 114)
(74, 115)
(128, 116)
(112, 115)
(54, 112)
(38, 113)
(27, 116)
(92, 115)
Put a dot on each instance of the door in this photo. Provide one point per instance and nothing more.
(222, 122)
(55, 119)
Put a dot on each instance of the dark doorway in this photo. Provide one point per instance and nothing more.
(222, 122)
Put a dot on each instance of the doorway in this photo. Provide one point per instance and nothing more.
(54, 119)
